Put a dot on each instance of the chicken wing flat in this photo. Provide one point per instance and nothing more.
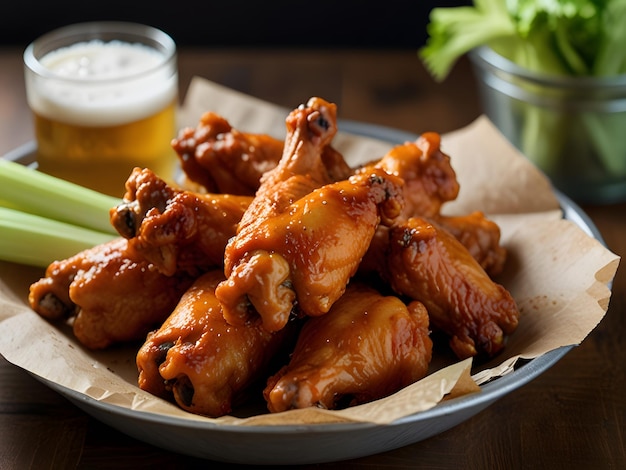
(177, 231)
(481, 237)
(430, 182)
(477, 233)
(308, 253)
(428, 264)
(113, 293)
(368, 346)
(224, 160)
(202, 362)
(429, 178)
(221, 159)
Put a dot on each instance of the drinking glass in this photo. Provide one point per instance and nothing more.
(104, 98)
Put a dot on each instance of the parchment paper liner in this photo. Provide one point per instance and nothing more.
(556, 272)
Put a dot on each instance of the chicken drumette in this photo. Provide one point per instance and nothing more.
(302, 168)
(114, 294)
(366, 347)
(202, 362)
(177, 231)
(303, 236)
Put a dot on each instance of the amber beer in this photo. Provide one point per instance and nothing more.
(103, 103)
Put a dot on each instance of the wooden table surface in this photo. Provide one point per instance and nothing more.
(572, 416)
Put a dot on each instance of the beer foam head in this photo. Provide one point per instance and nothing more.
(99, 83)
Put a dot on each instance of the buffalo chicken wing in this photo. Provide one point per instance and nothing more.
(202, 362)
(177, 231)
(303, 235)
(222, 159)
(110, 292)
(366, 347)
(308, 253)
(427, 263)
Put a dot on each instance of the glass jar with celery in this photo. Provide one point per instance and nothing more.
(552, 78)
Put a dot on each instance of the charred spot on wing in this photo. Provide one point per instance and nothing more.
(125, 221)
(323, 123)
(162, 350)
(376, 179)
(407, 237)
(318, 123)
(185, 390)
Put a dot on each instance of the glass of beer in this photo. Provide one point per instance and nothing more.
(104, 98)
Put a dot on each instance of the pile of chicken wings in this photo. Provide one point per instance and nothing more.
(276, 263)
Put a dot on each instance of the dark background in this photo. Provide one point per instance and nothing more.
(239, 23)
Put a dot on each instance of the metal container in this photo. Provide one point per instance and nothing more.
(572, 128)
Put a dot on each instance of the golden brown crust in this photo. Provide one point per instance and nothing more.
(366, 347)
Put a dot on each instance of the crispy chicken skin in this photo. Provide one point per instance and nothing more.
(478, 234)
(114, 294)
(427, 263)
(221, 159)
(176, 230)
(481, 237)
(285, 250)
(308, 253)
(224, 160)
(278, 253)
(429, 178)
(301, 169)
(202, 362)
(368, 346)
(430, 182)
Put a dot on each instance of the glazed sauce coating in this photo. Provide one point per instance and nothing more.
(199, 360)
(366, 347)
(428, 264)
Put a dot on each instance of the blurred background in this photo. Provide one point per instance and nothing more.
(239, 23)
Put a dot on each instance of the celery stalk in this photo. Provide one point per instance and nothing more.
(543, 137)
(37, 241)
(606, 132)
(38, 193)
(455, 31)
(575, 38)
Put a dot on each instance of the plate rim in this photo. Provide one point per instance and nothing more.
(490, 392)
(476, 402)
